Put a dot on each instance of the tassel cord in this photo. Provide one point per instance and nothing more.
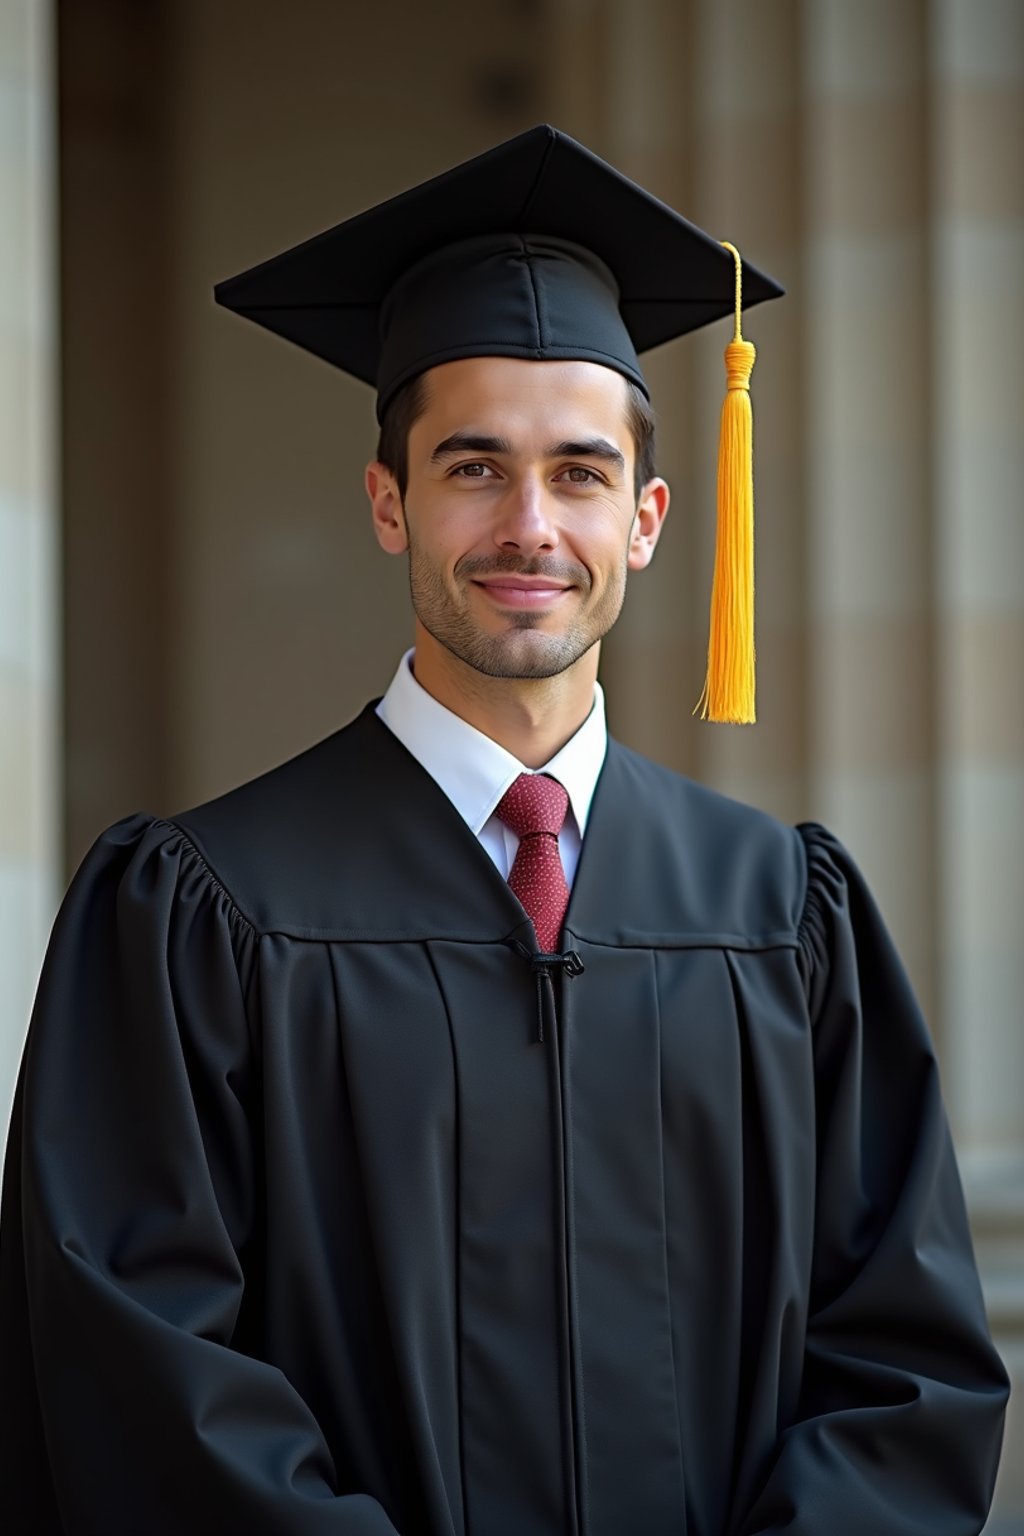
(729, 686)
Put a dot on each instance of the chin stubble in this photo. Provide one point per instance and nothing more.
(505, 655)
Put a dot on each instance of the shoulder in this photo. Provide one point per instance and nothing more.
(283, 832)
(689, 804)
(726, 868)
(141, 897)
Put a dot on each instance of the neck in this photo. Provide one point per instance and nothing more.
(532, 718)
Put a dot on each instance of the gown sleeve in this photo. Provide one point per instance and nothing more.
(128, 1202)
(901, 1409)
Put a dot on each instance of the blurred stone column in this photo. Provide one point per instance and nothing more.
(977, 61)
(867, 356)
(29, 581)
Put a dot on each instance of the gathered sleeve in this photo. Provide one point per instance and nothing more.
(901, 1410)
(130, 1195)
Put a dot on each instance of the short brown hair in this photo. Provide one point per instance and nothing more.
(408, 405)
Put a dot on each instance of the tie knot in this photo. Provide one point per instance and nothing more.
(534, 803)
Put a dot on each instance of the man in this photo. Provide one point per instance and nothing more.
(470, 1126)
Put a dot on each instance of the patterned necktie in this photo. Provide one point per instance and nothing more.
(534, 807)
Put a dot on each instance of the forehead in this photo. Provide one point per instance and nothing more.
(522, 396)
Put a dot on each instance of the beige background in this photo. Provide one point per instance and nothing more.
(31, 788)
(223, 603)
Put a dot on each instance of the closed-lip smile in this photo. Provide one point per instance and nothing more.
(523, 591)
(524, 583)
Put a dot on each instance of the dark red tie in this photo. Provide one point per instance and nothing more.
(535, 807)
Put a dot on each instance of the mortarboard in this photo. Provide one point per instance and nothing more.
(537, 249)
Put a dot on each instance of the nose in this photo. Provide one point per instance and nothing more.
(525, 518)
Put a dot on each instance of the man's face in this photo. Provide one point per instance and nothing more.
(520, 517)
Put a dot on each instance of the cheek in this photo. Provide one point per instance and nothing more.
(443, 531)
(600, 533)
(458, 512)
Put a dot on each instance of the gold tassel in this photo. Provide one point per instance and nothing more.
(729, 689)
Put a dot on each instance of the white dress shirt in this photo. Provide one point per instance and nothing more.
(475, 771)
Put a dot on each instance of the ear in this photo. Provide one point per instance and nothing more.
(647, 523)
(386, 508)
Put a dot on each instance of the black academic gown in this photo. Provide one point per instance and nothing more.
(307, 1233)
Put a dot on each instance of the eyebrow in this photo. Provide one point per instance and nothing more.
(469, 442)
(582, 448)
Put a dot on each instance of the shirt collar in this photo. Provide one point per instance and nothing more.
(475, 771)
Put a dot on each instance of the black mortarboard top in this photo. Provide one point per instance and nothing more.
(535, 249)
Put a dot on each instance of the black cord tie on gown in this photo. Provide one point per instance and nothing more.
(543, 966)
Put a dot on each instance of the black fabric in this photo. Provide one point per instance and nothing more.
(536, 248)
(503, 296)
(304, 1231)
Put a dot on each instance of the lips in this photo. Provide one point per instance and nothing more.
(526, 583)
(523, 591)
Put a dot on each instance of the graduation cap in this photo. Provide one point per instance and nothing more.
(535, 249)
